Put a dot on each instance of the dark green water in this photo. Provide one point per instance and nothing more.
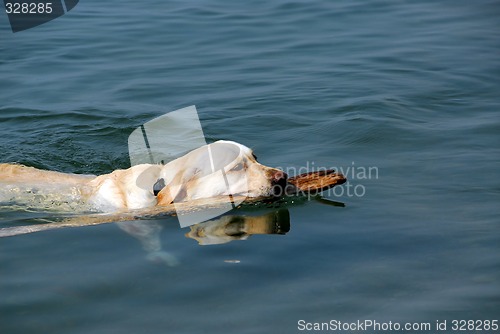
(409, 88)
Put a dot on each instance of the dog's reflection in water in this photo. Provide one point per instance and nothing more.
(212, 232)
(229, 228)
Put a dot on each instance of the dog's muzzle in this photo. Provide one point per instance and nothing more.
(278, 183)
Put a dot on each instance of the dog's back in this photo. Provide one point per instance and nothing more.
(15, 173)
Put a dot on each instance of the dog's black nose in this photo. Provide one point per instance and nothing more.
(278, 182)
(278, 177)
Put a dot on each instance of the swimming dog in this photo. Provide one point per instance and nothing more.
(220, 168)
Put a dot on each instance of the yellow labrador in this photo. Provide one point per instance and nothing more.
(221, 168)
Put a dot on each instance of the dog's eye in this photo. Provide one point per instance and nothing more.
(254, 156)
(238, 167)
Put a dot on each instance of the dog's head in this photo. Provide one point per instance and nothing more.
(221, 168)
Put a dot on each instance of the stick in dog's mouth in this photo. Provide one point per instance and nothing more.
(310, 183)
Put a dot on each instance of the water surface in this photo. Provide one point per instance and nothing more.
(410, 88)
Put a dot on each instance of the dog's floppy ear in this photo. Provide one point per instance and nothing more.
(168, 193)
(158, 186)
